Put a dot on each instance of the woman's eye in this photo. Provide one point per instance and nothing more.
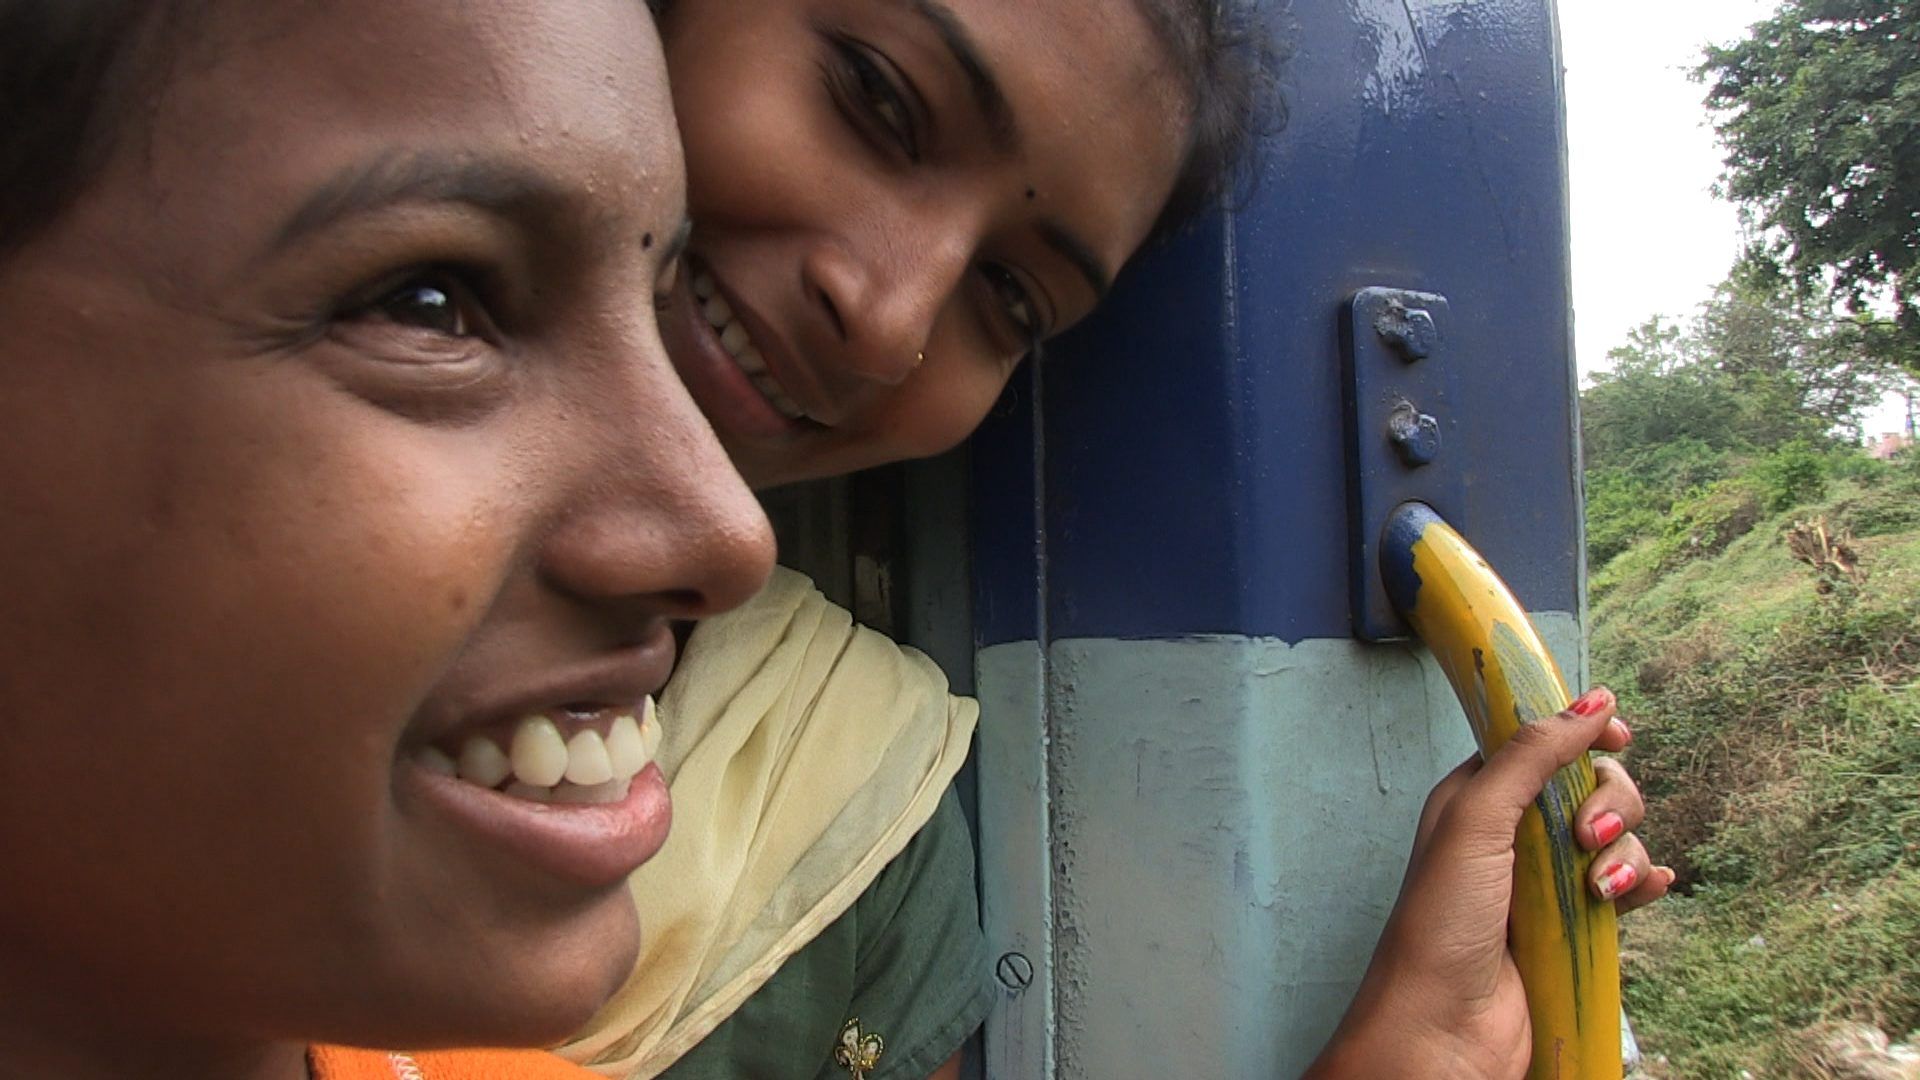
(880, 97)
(437, 302)
(1016, 303)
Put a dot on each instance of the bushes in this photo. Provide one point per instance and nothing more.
(1620, 511)
(1626, 501)
(1726, 988)
(1705, 522)
(1779, 749)
(1777, 708)
(1696, 501)
(1793, 473)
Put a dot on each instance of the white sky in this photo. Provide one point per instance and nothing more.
(1649, 238)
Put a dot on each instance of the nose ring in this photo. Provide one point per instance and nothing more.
(919, 358)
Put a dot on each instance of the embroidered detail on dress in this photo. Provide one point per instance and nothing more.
(858, 1052)
(405, 1068)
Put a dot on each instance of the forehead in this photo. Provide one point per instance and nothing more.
(257, 96)
(1101, 109)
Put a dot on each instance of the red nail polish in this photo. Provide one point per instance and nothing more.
(1619, 878)
(1589, 702)
(1607, 828)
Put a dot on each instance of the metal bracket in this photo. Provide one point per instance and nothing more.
(1400, 422)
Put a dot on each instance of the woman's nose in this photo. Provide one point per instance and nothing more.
(662, 524)
(880, 298)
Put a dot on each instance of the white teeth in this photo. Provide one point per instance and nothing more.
(539, 756)
(739, 345)
(482, 763)
(625, 747)
(587, 760)
(588, 769)
(775, 396)
(650, 729)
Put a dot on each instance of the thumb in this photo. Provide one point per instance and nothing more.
(1513, 777)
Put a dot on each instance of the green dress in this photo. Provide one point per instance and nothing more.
(904, 972)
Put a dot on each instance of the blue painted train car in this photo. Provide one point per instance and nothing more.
(1199, 764)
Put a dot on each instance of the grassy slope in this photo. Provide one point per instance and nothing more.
(1778, 741)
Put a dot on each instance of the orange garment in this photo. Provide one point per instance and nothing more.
(343, 1063)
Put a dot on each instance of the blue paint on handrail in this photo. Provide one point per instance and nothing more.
(1405, 526)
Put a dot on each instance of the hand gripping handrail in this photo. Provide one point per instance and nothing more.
(1564, 940)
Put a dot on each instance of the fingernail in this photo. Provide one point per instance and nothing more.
(1590, 702)
(1607, 828)
(1626, 733)
(1619, 878)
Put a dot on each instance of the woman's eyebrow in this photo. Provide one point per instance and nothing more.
(1004, 130)
(1076, 251)
(992, 101)
(501, 188)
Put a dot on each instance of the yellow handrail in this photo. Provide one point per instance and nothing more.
(1564, 940)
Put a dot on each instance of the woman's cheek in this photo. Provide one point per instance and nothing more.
(957, 407)
(361, 547)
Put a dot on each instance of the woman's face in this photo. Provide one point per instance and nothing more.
(336, 433)
(873, 180)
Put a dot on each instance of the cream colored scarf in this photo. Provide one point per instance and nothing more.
(803, 753)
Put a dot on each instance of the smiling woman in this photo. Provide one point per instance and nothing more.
(319, 383)
(896, 202)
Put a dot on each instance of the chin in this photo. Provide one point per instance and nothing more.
(536, 991)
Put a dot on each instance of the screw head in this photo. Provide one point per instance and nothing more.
(1410, 331)
(1414, 434)
(1014, 971)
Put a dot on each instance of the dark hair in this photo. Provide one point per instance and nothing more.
(1230, 61)
(65, 86)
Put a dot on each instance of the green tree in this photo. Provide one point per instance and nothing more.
(1796, 371)
(1711, 420)
(1658, 391)
(1819, 109)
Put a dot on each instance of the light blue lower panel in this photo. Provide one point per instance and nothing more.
(1192, 845)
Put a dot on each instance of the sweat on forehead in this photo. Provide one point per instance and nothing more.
(80, 79)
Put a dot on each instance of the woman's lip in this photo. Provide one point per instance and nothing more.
(780, 363)
(592, 846)
(479, 697)
(718, 385)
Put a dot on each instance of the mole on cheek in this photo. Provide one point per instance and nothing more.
(1032, 194)
(646, 242)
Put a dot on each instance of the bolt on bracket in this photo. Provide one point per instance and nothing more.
(1401, 417)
